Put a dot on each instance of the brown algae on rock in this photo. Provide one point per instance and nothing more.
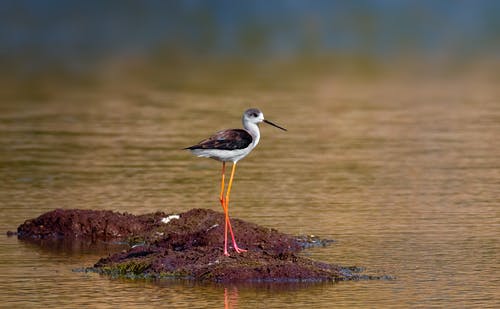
(188, 246)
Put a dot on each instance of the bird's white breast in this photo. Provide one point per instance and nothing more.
(223, 155)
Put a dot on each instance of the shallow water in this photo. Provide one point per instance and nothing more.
(406, 180)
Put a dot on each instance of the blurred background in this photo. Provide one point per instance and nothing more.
(392, 150)
(195, 42)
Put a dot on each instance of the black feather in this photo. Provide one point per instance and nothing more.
(226, 140)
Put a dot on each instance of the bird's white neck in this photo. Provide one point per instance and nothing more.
(253, 129)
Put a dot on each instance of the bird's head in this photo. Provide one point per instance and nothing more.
(254, 115)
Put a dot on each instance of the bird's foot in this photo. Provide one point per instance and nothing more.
(239, 250)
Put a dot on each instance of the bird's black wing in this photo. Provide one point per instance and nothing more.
(226, 140)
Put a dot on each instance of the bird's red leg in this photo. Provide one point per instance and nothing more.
(222, 185)
(224, 207)
(236, 248)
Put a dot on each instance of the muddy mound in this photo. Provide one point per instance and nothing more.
(89, 225)
(187, 245)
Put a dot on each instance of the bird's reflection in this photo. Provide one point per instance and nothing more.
(230, 297)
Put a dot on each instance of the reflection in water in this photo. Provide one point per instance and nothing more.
(72, 247)
(231, 298)
(404, 175)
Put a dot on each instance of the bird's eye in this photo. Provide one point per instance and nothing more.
(254, 115)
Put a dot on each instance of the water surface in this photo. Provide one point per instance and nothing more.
(404, 175)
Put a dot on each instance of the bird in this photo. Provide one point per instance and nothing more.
(232, 145)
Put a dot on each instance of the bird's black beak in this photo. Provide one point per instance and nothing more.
(274, 125)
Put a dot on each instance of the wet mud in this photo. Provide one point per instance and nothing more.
(188, 246)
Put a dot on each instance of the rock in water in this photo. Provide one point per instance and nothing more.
(186, 245)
